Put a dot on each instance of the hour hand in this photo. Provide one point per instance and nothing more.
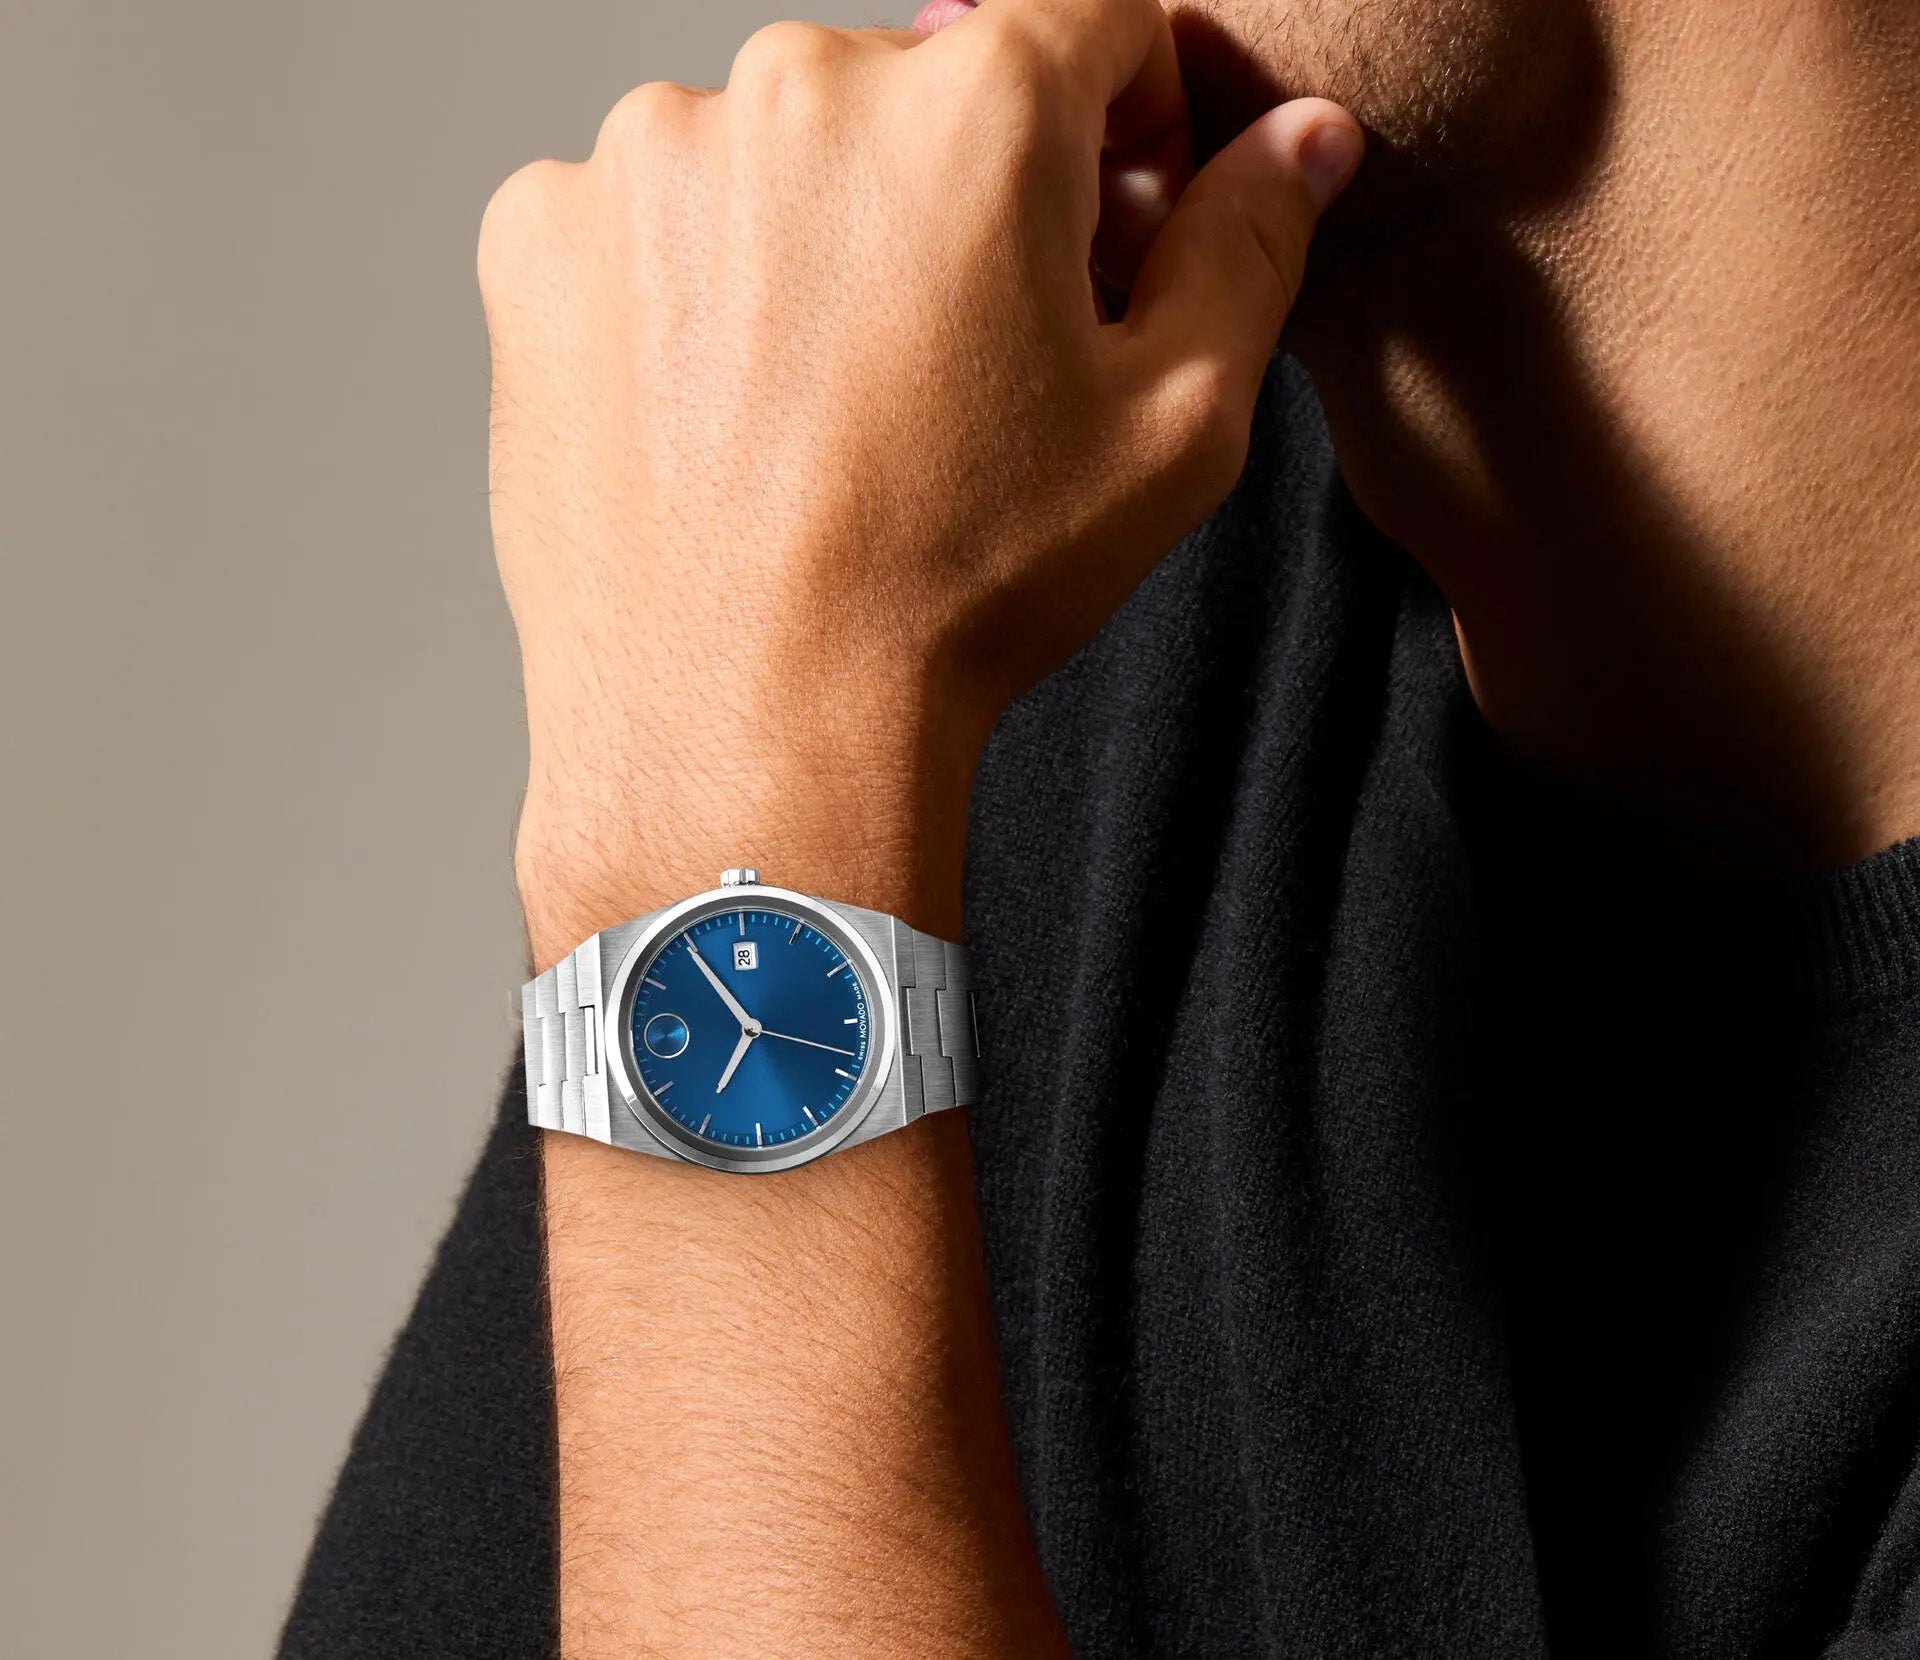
(726, 997)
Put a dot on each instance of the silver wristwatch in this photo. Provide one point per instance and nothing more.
(750, 1029)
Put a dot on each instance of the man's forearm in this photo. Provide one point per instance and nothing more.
(779, 1416)
(811, 448)
(780, 1429)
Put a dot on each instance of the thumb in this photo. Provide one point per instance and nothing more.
(1221, 276)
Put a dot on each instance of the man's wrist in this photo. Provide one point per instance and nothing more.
(871, 818)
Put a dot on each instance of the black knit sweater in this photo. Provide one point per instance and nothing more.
(1418, 1225)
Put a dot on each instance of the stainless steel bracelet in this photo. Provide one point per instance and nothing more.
(563, 1014)
(563, 1017)
(939, 1029)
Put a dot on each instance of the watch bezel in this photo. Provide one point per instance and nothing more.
(647, 1112)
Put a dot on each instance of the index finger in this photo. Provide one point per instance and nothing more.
(1120, 51)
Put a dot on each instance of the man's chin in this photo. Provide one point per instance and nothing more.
(1508, 94)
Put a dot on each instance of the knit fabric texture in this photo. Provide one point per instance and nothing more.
(1419, 1222)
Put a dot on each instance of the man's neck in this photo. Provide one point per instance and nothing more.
(1659, 438)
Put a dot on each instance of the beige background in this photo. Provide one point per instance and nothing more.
(262, 748)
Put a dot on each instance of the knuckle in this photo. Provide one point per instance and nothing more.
(518, 218)
(639, 118)
(1008, 98)
(1281, 239)
(1024, 59)
(1268, 235)
(1288, 259)
(781, 57)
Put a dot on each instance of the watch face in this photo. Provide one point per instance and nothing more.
(751, 1028)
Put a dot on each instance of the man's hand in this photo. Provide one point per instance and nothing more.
(811, 448)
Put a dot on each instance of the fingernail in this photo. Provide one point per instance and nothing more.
(935, 15)
(1329, 156)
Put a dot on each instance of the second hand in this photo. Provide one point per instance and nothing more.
(786, 1038)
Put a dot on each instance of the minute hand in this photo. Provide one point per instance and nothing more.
(739, 1054)
(726, 997)
(788, 1038)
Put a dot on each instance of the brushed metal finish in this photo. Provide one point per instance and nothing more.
(565, 1045)
(576, 1018)
(941, 1064)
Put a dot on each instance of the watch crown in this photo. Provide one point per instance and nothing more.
(739, 878)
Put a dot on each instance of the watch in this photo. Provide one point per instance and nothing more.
(750, 1029)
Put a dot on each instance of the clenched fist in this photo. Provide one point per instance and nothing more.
(813, 443)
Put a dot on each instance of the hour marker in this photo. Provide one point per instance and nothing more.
(851, 1020)
(836, 968)
(796, 932)
(843, 1072)
(810, 1118)
(705, 1122)
(658, 985)
(662, 1090)
(743, 922)
(758, 1139)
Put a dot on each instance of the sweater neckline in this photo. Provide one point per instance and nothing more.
(1844, 936)
(1847, 935)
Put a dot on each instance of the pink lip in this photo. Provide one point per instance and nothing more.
(935, 15)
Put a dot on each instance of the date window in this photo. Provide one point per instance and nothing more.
(746, 954)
